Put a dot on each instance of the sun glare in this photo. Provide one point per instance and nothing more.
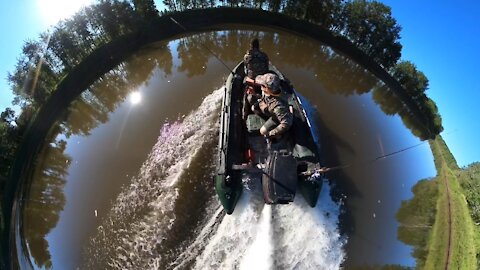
(135, 98)
(53, 11)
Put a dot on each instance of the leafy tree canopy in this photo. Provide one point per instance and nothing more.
(371, 27)
(413, 80)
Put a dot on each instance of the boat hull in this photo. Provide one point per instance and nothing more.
(281, 167)
(228, 193)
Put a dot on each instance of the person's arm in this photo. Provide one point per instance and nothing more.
(259, 107)
(250, 81)
(286, 120)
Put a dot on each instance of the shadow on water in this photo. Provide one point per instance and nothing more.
(331, 77)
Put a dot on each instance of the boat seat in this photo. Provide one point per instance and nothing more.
(300, 151)
(254, 123)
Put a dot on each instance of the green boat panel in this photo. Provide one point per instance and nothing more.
(227, 194)
(310, 190)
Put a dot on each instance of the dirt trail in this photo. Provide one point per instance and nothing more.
(449, 246)
(445, 181)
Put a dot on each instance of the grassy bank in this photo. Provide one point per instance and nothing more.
(452, 242)
(469, 178)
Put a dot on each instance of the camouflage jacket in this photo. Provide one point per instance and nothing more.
(277, 109)
(256, 63)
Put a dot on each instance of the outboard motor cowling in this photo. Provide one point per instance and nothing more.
(279, 180)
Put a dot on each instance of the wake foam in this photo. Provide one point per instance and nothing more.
(133, 236)
(260, 254)
(293, 236)
(235, 234)
(308, 238)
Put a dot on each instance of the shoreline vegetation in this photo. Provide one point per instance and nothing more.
(441, 221)
(365, 28)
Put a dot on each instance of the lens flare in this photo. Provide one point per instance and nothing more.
(53, 11)
(135, 98)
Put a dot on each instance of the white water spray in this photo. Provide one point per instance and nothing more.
(144, 212)
(259, 254)
(293, 236)
(308, 238)
(235, 234)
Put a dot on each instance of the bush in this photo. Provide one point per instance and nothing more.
(469, 179)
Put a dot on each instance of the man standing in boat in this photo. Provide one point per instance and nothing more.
(272, 106)
(256, 62)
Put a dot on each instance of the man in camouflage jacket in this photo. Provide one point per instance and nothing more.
(256, 62)
(271, 105)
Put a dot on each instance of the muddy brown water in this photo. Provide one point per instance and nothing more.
(126, 183)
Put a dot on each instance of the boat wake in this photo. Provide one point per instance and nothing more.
(293, 236)
(169, 217)
(148, 217)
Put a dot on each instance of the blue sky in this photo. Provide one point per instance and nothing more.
(440, 37)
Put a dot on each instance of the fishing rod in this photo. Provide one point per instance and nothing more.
(339, 167)
(344, 166)
(205, 47)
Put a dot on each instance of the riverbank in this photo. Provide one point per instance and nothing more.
(469, 178)
(453, 242)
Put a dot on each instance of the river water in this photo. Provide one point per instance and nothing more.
(125, 181)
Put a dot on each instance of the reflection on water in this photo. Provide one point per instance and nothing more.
(113, 193)
(46, 200)
(391, 105)
(417, 217)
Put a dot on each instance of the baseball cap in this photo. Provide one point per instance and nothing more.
(270, 80)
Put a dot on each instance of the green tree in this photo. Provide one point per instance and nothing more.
(44, 62)
(412, 80)
(371, 27)
(430, 109)
(415, 84)
(145, 8)
(470, 181)
(171, 5)
(64, 46)
(388, 101)
(325, 12)
(111, 19)
(34, 77)
(274, 5)
(9, 141)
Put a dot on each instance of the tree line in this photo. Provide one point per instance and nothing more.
(369, 25)
(44, 61)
